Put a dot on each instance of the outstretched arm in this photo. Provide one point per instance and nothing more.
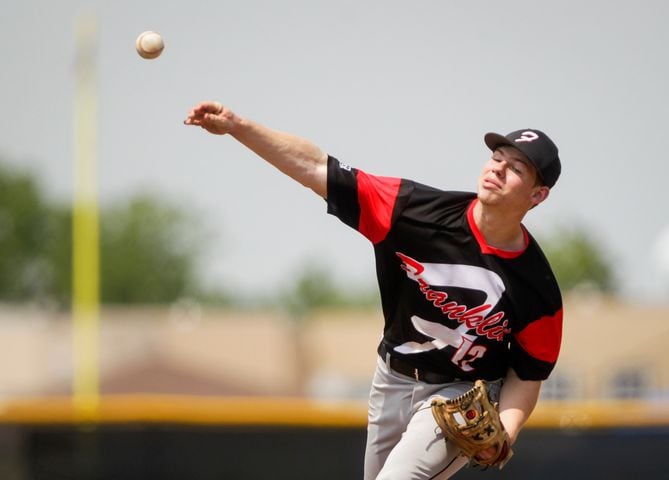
(295, 156)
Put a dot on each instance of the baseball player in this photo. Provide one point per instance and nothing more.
(466, 292)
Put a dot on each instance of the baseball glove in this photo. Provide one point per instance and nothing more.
(472, 423)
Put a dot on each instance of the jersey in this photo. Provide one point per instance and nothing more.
(452, 304)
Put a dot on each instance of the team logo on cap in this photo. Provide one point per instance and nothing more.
(527, 136)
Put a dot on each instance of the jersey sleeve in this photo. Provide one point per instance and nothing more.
(535, 348)
(365, 202)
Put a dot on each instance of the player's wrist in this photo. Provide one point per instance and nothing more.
(511, 434)
(237, 125)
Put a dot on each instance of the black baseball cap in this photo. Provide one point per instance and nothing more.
(536, 146)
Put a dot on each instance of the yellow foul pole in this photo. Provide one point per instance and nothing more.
(85, 226)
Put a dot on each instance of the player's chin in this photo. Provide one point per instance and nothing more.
(488, 197)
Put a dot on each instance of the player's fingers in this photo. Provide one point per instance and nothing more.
(191, 120)
(217, 107)
(204, 108)
(486, 454)
(192, 114)
(210, 116)
(208, 107)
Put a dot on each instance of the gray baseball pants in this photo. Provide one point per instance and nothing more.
(403, 439)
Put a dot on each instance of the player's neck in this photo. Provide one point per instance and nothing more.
(500, 227)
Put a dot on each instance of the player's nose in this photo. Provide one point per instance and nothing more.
(498, 168)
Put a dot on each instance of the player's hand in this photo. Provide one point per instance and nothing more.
(487, 454)
(213, 117)
(490, 453)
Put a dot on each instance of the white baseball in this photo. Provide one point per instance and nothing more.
(149, 44)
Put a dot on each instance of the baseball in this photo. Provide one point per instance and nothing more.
(149, 44)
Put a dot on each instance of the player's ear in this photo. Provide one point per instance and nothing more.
(540, 194)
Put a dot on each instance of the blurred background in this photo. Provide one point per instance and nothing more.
(172, 307)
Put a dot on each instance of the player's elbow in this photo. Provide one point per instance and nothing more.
(316, 179)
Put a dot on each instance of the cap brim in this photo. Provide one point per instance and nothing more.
(495, 140)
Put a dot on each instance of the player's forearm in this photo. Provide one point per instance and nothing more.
(297, 157)
(516, 403)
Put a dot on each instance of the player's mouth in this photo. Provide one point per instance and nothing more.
(491, 184)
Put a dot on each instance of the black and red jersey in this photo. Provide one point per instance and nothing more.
(452, 304)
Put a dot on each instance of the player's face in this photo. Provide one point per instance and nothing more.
(509, 179)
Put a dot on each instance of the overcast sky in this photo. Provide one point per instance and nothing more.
(393, 87)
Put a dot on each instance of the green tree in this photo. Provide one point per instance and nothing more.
(24, 222)
(314, 287)
(58, 253)
(578, 260)
(148, 252)
(149, 247)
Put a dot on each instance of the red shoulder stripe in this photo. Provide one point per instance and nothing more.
(542, 338)
(376, 196)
